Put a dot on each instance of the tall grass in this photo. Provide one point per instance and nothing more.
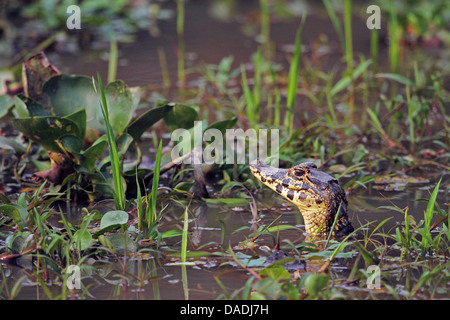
(151, 215)
(294, 72)
(348, 33)
(253, 97)
(180, 32)
(116, 166)
(394, 49)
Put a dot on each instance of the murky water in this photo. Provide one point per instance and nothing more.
(150, 275)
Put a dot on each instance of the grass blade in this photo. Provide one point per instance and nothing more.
(119, 193)
(348, 33)
(152, 216)
(294, 71)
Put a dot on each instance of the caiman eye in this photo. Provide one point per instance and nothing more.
(299, 172)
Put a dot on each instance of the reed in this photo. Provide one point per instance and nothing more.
(181, 51)
(394, 49)
(348, 33)
(116, 166)
(294, 73)
(151, 215)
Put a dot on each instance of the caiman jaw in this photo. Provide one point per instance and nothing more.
(315, 193)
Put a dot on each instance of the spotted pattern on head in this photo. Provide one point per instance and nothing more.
(318, 195)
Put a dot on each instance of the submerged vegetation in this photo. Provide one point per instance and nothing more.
(88, 179)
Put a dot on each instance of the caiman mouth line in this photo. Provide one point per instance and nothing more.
(317, 194)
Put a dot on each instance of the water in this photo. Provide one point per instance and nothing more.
(152, 274)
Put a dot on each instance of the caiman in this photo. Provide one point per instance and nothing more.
(317, 195)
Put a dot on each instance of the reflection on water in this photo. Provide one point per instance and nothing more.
(153, 273)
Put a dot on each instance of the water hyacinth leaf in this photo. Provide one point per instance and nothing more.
(120, 105)
(46, 130)
(90, 156)
(68, 94)
(181, 117)
(20, 108)
(34, 108)
(6, 103)
(71, 143)
(79, 117)
(113, 218)
(123, 142)
(146, 120)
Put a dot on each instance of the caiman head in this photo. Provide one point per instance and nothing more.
(318, 195)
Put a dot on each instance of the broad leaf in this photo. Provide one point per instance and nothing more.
(45, 130)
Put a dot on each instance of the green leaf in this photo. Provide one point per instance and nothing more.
(315, 282)
(146, 120)
(68, 94)
(181, 116)
(123, 142)
(119, 192)
(120, 105)
(91, 155)
(79, 117)
(71, 143)
(113, 218)
(16, 212)
(45, 130)
(34, 108)
(277, 272)
(82, 240)
(396, 77)
(20, 108)
(6, 103)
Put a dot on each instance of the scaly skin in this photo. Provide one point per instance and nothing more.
(316, 194)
